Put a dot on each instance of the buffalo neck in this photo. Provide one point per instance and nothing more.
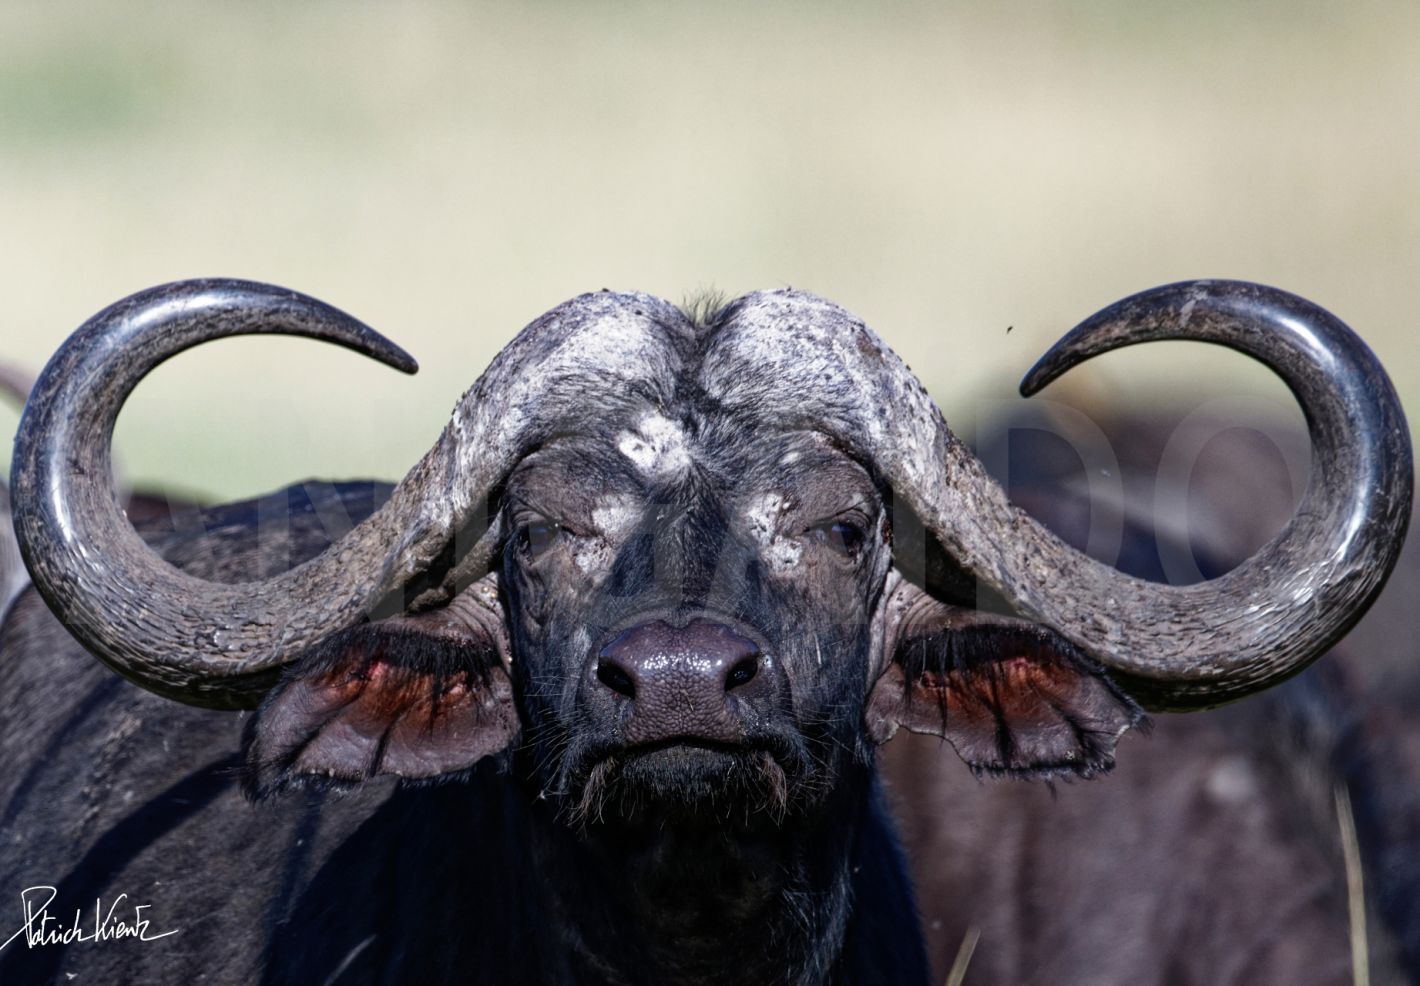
(477, 882)
(679, 901)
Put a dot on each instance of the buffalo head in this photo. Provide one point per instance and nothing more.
(701, 563)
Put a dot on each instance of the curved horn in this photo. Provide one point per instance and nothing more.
(1175, 647)
(1274, 614)
(221, 645)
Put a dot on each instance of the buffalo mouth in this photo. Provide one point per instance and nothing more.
(689, 780)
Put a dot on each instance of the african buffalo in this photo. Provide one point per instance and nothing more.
(595, 693)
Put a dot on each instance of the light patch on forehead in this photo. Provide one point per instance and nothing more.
(780, 552)
(615, 516)
(657, 448)
(763, 514)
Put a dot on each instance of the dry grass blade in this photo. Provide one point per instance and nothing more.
(959, 966)
(1355, 888)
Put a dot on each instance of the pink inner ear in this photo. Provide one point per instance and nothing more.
(388, 720)
(1038, 709)
(1018, 714)
(1021, 689)
(415, 696)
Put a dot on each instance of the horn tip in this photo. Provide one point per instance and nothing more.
(1044, 372)
(400, 360)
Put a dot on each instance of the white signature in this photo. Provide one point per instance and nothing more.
(42, 928)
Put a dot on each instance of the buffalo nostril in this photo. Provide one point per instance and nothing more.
(742, 673)
(615, 678)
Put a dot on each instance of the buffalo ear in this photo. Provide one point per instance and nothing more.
(417, 697)
(1010, 696)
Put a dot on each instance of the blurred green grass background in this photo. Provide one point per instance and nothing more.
(448, 171)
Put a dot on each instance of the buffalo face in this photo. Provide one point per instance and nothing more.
(692, 617)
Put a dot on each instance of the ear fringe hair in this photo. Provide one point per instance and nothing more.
(972, 655)
(410, 653)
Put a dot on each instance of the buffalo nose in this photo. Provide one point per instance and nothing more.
(682, 682)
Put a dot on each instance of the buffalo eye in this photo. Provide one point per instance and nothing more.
(843, 537)
(536, 536)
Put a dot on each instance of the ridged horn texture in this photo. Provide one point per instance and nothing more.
(221, 645)
(800, 361)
